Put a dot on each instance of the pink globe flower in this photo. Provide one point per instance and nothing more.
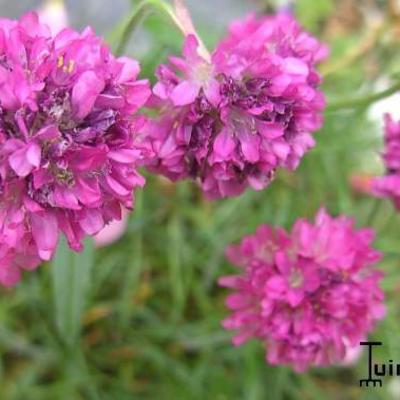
(229, 123)
(389, 184)
(69, 143)
(309, 294)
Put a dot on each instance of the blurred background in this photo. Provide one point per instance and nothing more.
(150, 327)
(103, 14)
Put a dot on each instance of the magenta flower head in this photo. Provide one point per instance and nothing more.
(230, 121)
(389, 184)
(309, 294)
(69, 144)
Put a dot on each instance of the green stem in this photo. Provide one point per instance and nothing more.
(361, 102)
(137, 14)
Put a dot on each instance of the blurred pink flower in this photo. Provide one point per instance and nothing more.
(352, 356)
(230, 123)
(69, 140)
(389, 184)
(309, 295)
(54, 14)
(362, 183)
(113, 231)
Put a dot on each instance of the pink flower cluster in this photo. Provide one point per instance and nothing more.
(230, 121)
(69, 143)
(389, 185)
(308, 294)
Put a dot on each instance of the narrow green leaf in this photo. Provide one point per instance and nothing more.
(70, 282)
(174, 257)
(134, 271)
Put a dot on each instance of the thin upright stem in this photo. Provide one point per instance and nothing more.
(137, 14)
(179, 19)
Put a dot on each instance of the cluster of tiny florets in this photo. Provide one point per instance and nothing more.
(308, 294)
(230, 122)
(389, 184)
(69, 143)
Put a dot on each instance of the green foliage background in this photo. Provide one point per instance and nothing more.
(150, 327)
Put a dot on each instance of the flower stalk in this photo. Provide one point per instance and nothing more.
(363, 101)
(178, 14)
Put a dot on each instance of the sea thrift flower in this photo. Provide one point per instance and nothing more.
(69, 142)
(309, 294)
(389, 185)
(229, 123)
